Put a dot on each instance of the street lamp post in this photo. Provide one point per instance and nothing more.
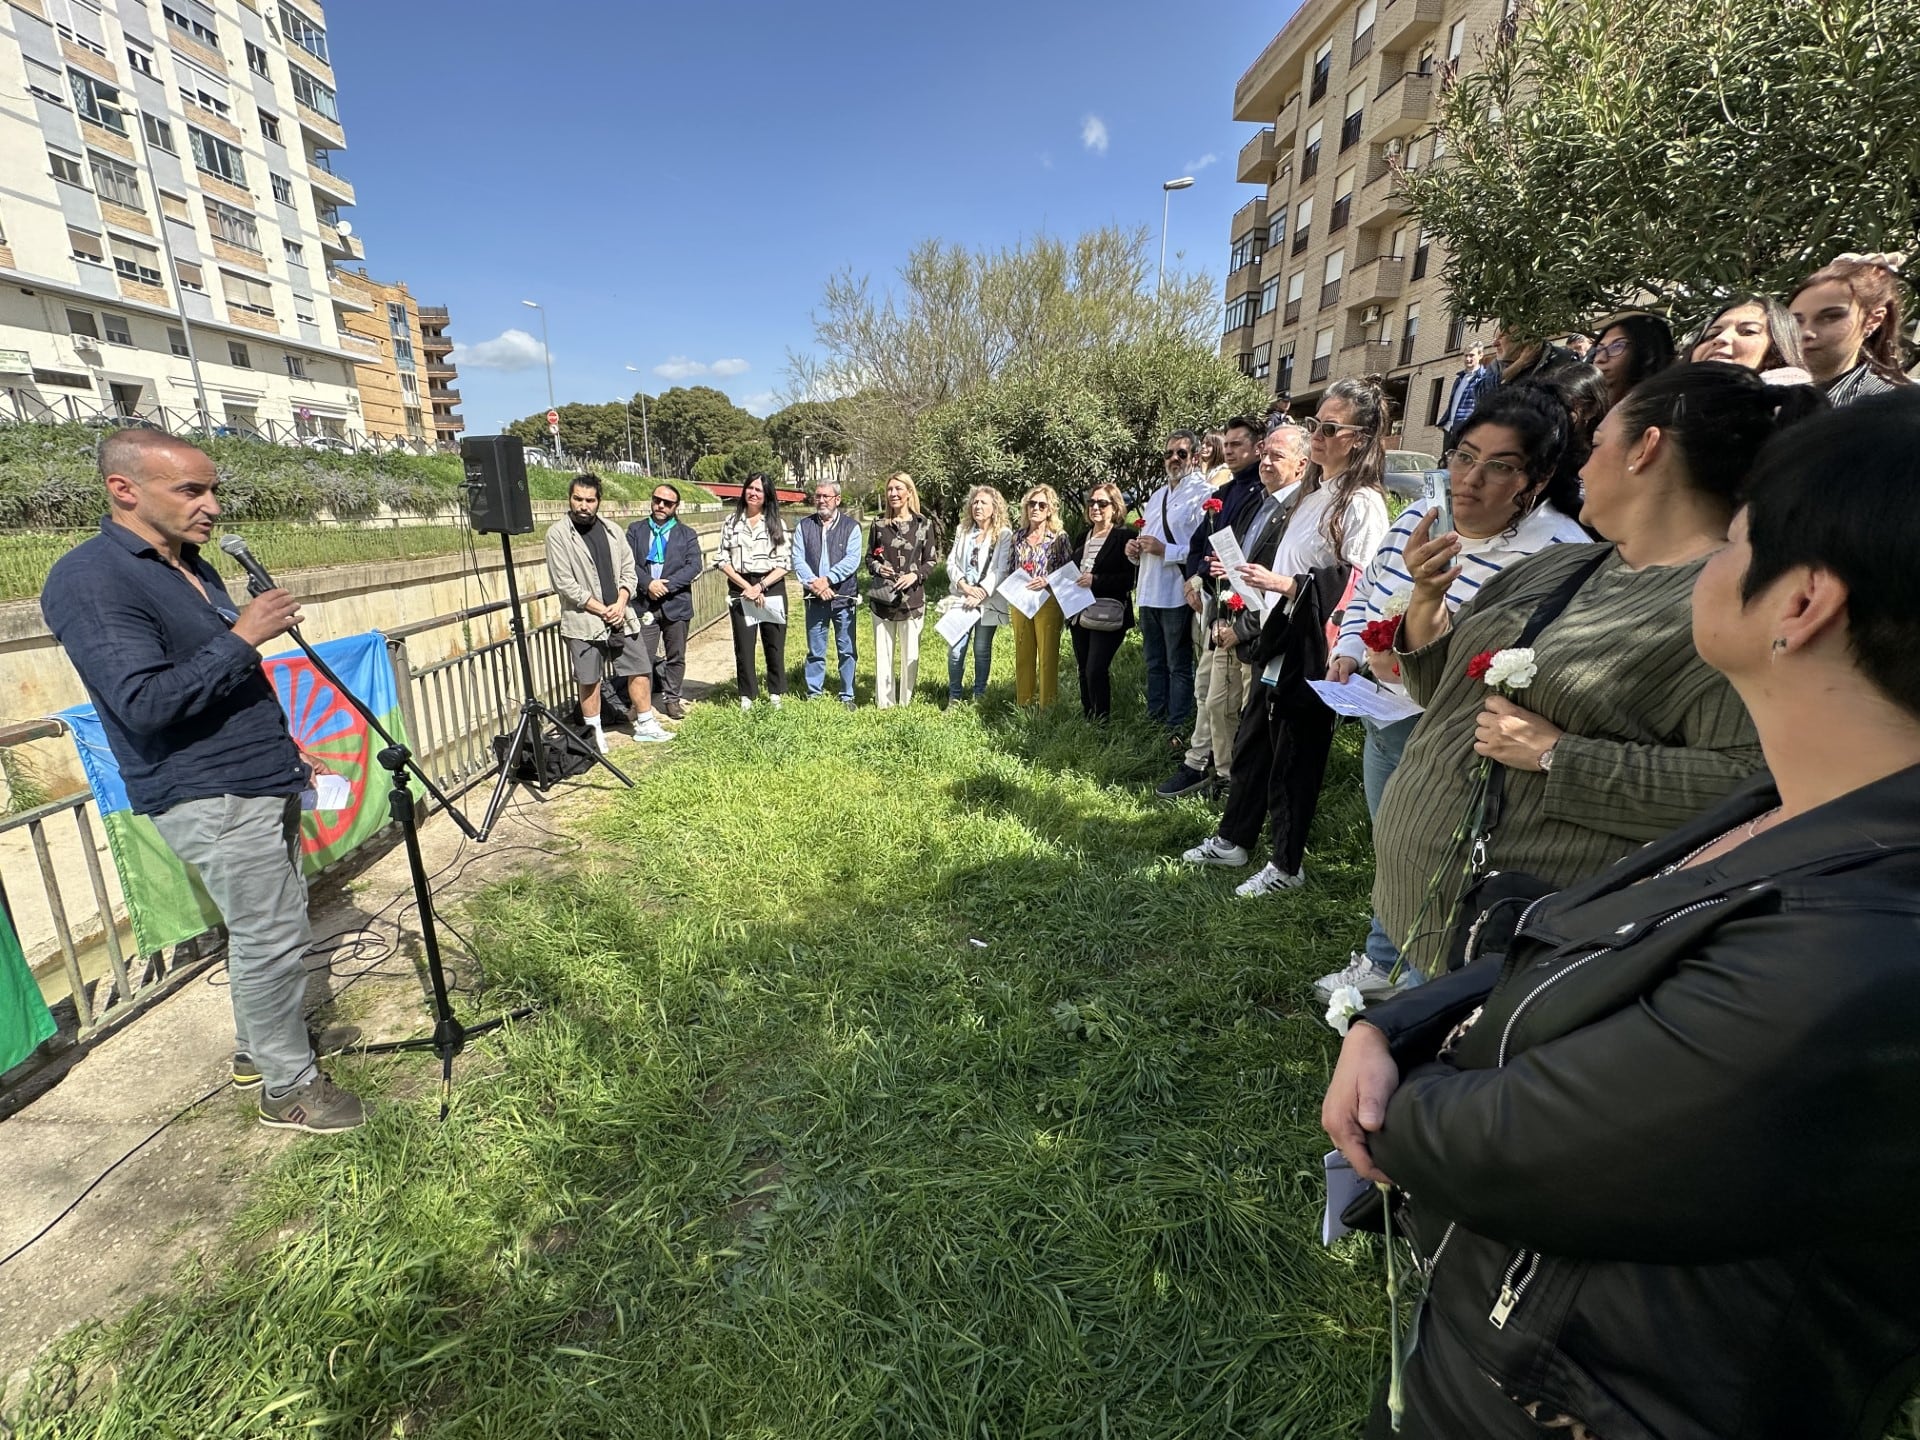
(546, 352)
(173, 272)
(1167, 187)
(646, 441)
(626, 410)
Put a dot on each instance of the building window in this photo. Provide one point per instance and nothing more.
(177, 342)
(396, 319)
(269, 127)
(97, 101)
(303, 32)
(216, 157)
(1322, 68)
(1363, 31)
(1456, 41)
(237, 355)
(159, 133)
(44, 81)
(1456, 332)
(117, 331)
(1408, 337)
(312, 94)
(296, 252)
(1330, 276)
(410, 389)
(282, 188)
(1310, 156)
(257, 59)
(86, 246)
(1322, 356)
(115, 182)
(189, 275)
(1342, 202)
(1270, 296)
(135, 261)
(189, 28)
(66, 168)
(403, 354)
(1420, 258)
(1436, 400)
(175, 207)
(80, 322)
(1296, 287)
(1243, 254)
(1277, 231)
(236, 227)
(1262, 360)
(207, 100)
(246, 293)
(140, 60)
(1356, 108)
(296, 367)
(1302, 225)
(303, 308)
(1240, 311)
(1283, 379)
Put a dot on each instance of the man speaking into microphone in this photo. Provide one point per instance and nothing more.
(173, 668)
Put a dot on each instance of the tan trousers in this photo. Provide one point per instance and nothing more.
(889, 635)
(1219, 695)
(1036, 648)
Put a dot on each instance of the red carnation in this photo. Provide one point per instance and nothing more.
(1478, 666)
(1235, 603)
(1213, 506)
(1380, 634)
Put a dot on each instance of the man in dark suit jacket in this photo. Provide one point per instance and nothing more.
(666, 554)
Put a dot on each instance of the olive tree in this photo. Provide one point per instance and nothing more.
(1603, 155)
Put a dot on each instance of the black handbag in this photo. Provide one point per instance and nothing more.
(1492, 901)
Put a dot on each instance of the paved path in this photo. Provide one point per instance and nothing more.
(176, 1196)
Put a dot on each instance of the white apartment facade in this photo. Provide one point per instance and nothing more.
(167, 200)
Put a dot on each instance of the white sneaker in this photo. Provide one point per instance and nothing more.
(1270, 879)
(745, 704)
(1215, 851)
(1362, 975)
(776, 699)
(650, 731)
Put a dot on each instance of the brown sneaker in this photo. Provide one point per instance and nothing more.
(673, 709)
(318, 1107)
(326, 1044)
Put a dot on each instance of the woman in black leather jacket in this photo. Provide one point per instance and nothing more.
(1659, 1159)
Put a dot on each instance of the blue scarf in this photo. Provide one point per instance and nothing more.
(657, 546)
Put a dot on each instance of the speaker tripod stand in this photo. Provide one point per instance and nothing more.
(527, 733)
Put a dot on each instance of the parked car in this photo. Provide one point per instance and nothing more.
(237, 432)
(1407, 472)
(331, 443)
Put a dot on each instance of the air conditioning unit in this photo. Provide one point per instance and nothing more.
(84, 342)
(1369, 315)
(1394, 147)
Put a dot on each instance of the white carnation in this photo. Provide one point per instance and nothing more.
(1347, 1002)
(1512, 669)
(1396, 603)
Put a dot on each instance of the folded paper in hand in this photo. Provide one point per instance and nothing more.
(1014, 590)
(1361, 697)
(1232, 557)
(957, 624)
(771, 611)
(1067, 589)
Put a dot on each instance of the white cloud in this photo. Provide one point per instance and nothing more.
(1093, 134)
(763, 404)
(509, 350)
(1194, 167)
(681, 367)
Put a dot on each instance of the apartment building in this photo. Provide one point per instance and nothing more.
(1329, 277)
(406, 393)
(169, 202)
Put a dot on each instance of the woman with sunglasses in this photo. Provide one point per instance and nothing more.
(1631, 348)
(1657, 1159)
(1040, 547)
(1623, 733)
(1510, 495)
(1107, 569)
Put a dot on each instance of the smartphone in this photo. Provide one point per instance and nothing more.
(1438, 491)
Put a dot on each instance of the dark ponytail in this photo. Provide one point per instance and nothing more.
(1534, 411)
(1368, 406)
(1718, 416)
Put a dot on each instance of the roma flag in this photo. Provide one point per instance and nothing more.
(24, 1018)
(166, 903)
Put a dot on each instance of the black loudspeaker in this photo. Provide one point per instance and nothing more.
(497, 498)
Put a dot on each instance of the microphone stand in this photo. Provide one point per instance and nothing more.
(449, 1036)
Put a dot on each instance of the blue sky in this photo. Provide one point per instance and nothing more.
(675, 182)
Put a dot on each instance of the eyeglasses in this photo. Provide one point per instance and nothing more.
(1498, 471)
(1609, 350)
(1313, 425)
(667, 500)
(1178, 454)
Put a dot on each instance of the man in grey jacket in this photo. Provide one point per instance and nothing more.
(592, 568)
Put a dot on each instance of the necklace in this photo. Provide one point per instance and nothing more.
(1751, 827)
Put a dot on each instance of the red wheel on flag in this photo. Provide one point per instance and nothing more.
(326, 727)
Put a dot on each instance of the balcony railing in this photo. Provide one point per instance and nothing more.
(437, 371)
(433, 312)
(1322, 366)
(1310, 161)
(1342, 212)
(1291, 315)
(1362, 46)
(1329, 294)
(1257, 159)
(1404, 21)
(1406, 347)
(1300, 239)
(1402, 108)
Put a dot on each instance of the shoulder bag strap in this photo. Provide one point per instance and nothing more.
(1544, 614)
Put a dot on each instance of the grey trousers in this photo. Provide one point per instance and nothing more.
(247, 851)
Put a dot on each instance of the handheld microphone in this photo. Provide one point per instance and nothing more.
(258, 580)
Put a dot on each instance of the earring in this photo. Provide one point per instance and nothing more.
(1779, 646)
(1633, 469)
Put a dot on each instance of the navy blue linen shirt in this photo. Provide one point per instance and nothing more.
(186, 706)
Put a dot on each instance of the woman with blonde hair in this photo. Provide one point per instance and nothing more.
(905, 547)
(981, 558)
(1039, 548)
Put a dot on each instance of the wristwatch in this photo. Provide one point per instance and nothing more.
(1546, 758)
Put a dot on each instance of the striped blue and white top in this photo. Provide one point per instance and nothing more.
(1480, 561)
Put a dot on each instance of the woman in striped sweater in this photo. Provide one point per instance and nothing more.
(1625, 733)
(1511, 496)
